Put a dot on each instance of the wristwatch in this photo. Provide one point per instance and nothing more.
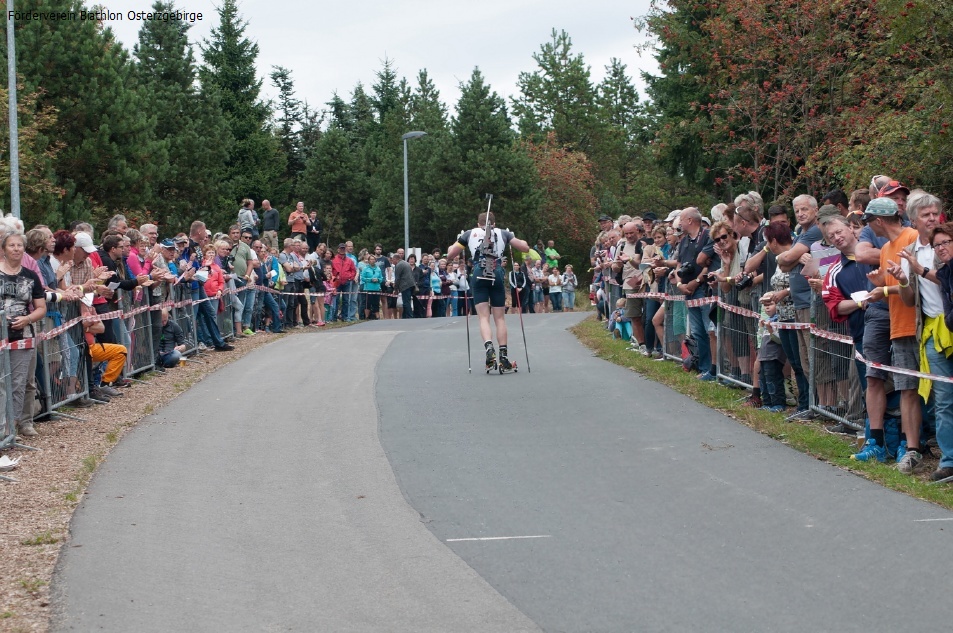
(926, 271)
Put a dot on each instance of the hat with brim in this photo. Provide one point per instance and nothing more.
(167, 243)
(674, 214)
(891, 188)
(881, 208)
(85, 242)
(605, 218)
(651, 217)
(342, 246)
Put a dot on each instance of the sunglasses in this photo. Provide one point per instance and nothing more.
(722, 238)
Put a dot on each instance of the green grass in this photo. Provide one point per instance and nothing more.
(43, 538)
(32, 585)
(807, 437)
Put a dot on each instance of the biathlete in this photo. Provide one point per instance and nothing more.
(487, 245)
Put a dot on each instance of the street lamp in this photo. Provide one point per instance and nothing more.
(406, 137)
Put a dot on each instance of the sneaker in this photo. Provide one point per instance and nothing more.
(203, 347)
(777, 408)
(657, 355)
(109, 391)
(870, 452)
(225, 348)
(840, 429)
(901, 450)
(911, 462)
(122, 382)
(802, 415)
(942, 475)
(27, 430)
(753, 401)
(248, 332)
(706, 377)
(82, 403)
(98, 395)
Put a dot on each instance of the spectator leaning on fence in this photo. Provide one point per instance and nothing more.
(894, 344)
(20, 288)
(942, 240)
(628, 258)
(920, 288)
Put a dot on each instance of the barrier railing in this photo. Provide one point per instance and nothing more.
(60, 353)
(736, 332)
(676, 326)
(183, 314)
(836, 391)
(137, 322)
(8, 431)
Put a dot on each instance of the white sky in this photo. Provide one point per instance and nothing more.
(330, 46)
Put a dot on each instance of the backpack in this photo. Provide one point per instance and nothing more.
(282, 280)
(690, 354)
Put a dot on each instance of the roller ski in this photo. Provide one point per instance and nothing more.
(504, 365)
(491, 363)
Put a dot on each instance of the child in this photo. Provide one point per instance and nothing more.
(772, 359)
(330, 293)
(619, 324)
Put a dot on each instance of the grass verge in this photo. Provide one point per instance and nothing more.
(807, 437)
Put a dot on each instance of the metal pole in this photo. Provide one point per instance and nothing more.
(12, 99)
(406, 206)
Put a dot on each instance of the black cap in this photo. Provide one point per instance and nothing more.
(650, 216)
(605, 218)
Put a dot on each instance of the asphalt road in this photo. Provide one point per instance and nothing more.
(340, 482)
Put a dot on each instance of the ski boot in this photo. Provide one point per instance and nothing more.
(491, 363)
(505, 365)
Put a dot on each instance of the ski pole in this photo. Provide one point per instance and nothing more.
(519, 311)
(466, 309)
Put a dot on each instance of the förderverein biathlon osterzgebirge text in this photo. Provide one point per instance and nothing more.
(105, 16)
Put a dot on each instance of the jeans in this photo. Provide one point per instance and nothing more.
(569, 300)
(347, 301)
(772, 392)
(698, 323)
(331, 309)
(205, 319)
(171, 359)
(943, 406)
(269, 305)
(248, 306)
(453, 302)
(790, 346)
(406, 297)
(439, 308)
(556, 299)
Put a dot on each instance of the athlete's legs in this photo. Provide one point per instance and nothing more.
(483, 311)
(499, 315)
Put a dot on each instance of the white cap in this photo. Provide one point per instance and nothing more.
(674, 214)
(85, 242)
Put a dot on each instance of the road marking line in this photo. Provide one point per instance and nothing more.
(925, 520)
(497, 538)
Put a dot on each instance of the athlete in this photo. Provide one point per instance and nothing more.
(487, 245)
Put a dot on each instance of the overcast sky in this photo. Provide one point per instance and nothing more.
(331, 46)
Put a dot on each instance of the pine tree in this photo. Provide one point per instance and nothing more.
(289, 123)
(558, 97)
(109, 157)
(255, 164)
(189, 122)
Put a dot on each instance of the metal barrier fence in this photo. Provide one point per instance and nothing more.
(836, 391)
(60, 364)
(676, 327)
(736, 334)
(8, 431)
(183, 314)
(137, 322)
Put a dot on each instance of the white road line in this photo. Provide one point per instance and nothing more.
(497, 538)
(926, 520)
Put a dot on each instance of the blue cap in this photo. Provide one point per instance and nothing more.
(167, 243)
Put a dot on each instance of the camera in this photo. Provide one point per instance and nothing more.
(745, 281)
(710, 278)
(687, 271)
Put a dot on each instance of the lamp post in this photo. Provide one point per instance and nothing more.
(12, 103)
(406, 137)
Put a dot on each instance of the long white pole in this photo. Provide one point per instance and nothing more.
(12, 98)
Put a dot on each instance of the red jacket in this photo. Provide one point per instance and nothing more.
(344, 269)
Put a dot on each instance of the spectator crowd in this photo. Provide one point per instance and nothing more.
(844, 313)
